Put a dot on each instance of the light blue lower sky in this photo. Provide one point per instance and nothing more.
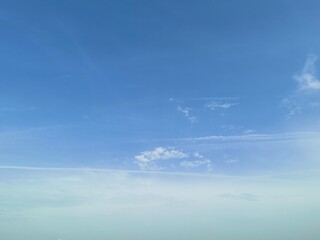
(79, 204)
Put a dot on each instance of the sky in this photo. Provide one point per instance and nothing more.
(135, 119)
(139, 85)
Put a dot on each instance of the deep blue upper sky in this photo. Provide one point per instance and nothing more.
(100, 83)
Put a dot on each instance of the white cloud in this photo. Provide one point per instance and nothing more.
(307, 80)
(147, 159)
(187, 114)
(220, 105)
(196, 163)
(200, 161)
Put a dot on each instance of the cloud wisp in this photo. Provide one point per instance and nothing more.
(187, 113)
(306, 98)
(307, 79)
(199, 161)
(293, 105)
(231, 161)
(216, 105)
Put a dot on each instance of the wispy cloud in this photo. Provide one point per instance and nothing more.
(307, 79)
(217, 105)
(231, 161)
(249, 131)
(147, 159)
(294, 107)
(199, 161)
(196, 163)
(203, 99)
(187, 113)
(287, 136)
(198, 104)
(306, 97)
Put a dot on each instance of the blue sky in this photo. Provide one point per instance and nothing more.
(134, 119)
(226, 87)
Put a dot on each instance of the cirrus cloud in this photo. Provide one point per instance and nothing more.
(307, 80)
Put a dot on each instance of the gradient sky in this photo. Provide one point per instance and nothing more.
(133, 119)
(228, 87)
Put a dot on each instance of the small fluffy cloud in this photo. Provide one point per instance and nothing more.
(187, 113)
(307, 80)
(199, 161)
(220, 105)
(147, 159)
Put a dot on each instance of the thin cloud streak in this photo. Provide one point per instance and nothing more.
(204, 98)
(220, 105)
(289, 136)
(191, 174)
(106, 170)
